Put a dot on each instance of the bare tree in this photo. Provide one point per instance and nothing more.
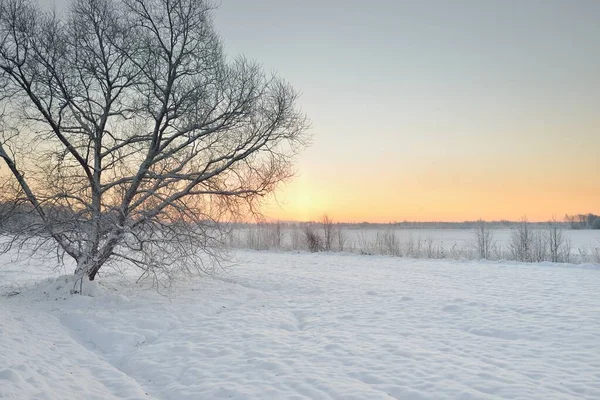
(314, 242)
(387, 243)
(484, 239)
(277, 234)
(539, 246)
(596, 254)
(295, 237)
(328, 232)
(557, 244)
(341, 237)
(131, 135)
(521, 241)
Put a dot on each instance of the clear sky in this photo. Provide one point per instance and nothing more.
(434, 110)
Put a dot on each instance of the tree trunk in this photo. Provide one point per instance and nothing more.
(93, 272)
(88, 269)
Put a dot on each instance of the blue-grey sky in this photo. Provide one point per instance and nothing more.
(434, 109)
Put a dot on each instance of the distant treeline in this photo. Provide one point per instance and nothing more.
(583, 221)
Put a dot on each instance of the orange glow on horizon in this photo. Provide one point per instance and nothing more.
(434, 196)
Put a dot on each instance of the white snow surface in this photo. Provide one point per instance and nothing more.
(307, 326)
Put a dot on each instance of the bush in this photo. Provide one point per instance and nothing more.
(559, 246)
(314, 243)
(484, 240)
(521, 242)
(387, 243)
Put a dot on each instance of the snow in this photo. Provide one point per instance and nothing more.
(314, 326)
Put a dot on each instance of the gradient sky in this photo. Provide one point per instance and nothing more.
(434, 110)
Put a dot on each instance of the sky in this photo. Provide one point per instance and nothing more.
(433, 110)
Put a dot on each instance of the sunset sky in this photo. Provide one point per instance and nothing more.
(434, 110)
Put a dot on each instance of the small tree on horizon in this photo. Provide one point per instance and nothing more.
(328, 232)
(558, 245)
(129, 135)
(521, 241)
(484, 239)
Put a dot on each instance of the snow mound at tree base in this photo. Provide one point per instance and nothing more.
(66, 286)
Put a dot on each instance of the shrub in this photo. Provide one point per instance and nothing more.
(314, 242)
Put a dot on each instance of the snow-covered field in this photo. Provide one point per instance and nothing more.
(315, 326)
